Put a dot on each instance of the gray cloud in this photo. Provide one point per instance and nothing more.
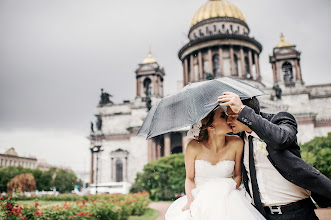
(56, 55)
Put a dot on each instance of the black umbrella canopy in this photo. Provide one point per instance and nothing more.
(191, 104)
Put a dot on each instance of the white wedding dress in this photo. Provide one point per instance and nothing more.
(215, 196)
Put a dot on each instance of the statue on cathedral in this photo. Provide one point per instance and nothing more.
(148, 103)
(209, 76)
(92, 127)
(105, 98)
(278, 91)
(99, 122)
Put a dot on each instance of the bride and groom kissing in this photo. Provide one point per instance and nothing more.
(264, 155)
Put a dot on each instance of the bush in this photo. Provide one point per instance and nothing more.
(317, 153)
(164, 179)
(103, 207)
(24, 182)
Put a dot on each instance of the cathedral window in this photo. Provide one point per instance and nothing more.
(119, 170)
(288, 74)
(247, 73)
(236, 71)
(147, 87)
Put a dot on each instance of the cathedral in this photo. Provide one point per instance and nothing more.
(219, 44)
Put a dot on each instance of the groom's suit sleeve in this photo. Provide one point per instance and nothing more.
(281, 132)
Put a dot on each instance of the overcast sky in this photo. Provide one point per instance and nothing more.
(56, 55)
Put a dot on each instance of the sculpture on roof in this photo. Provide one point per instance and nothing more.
(278, 91)
(105, 98)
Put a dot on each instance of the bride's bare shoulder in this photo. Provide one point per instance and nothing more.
(193, 146)
(235, 141)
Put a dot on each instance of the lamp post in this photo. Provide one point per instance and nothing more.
(96, 149)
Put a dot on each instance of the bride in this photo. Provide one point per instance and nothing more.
(213, 175)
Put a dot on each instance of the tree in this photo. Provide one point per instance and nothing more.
(163, 179)
(8, 173)
(317, 153)
(24, 182)
(64, 180)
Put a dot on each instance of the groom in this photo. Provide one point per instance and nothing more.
(278, 180)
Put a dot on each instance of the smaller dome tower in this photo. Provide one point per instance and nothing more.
(286, 68)
(149, 77)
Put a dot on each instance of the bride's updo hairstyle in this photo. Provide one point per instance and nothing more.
(205, 123)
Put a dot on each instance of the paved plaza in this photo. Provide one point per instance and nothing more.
(323, 214)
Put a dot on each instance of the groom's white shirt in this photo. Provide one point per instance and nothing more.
(274, 188)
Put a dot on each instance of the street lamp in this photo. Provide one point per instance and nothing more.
(96, 149)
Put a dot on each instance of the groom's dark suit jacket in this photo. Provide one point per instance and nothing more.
(279, 132)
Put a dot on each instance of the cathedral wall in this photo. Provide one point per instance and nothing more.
(137, 157)
(309, 132)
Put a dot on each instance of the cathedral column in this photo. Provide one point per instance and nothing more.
(274, 73)
(125, 169)
(200, 65)
(210, 57)
(257, 66)
(114, 169)
(278, 73)
(112, 176)
(300, 73)
(297, 75)
(158, 149)
(138, 86)
(232, 60)
(250, 61)
(167, 144)
(150, 150)
(220, 53)
(186, 70)
(158, 86)
(154, 84)
(242, 62)
(91, 171)
(192, 69)
(184, 75)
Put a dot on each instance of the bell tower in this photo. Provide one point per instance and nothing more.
(285, 61)
(149, 77)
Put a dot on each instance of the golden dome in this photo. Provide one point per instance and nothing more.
(217, 8)
(149, 58)
(283, 43)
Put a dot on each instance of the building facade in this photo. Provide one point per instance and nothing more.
(11, 158)
(219, 44)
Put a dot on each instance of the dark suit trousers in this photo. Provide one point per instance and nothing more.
(304, 213)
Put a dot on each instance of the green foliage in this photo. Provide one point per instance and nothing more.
(164, 179)
(317, 153)
(62, 180)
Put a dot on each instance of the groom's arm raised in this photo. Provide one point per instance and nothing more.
(190, 156)
(282, 132)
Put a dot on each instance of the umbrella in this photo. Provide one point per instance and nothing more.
(191, 104)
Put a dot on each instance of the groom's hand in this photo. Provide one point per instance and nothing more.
(232, 100)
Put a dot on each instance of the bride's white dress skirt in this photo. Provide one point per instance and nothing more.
(215, 196)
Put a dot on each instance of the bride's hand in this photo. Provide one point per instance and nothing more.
(187, 206)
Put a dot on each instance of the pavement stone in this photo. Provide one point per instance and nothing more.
(162, 207)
